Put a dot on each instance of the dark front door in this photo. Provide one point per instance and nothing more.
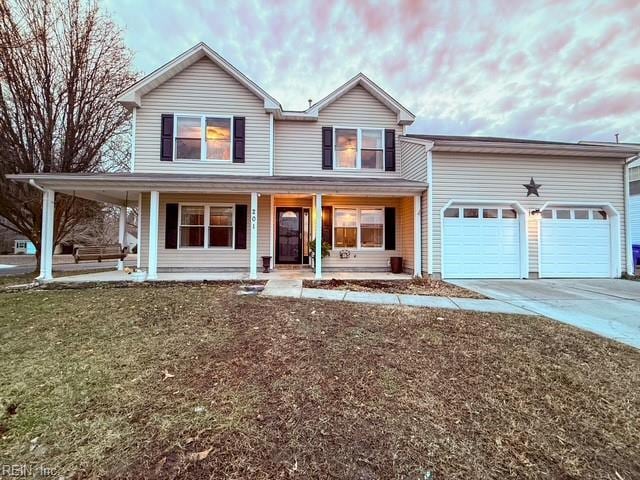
(288, 235)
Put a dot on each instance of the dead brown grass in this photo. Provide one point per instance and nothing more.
(197, 382)
(416, 286)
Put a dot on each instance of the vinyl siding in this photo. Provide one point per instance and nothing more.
(202, 88)
(200, 258)
(634, 218)
(298, 148)
(414, 161)
(406, 234)
(500, 177)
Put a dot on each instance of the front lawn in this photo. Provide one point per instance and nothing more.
(178, 381)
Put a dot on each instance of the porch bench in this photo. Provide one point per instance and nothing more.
(99, 253)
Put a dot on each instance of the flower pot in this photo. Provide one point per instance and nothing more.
(396, 264)
(266, 264)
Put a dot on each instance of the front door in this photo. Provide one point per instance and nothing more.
(288, 235)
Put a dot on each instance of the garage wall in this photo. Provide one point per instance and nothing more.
(500, 177)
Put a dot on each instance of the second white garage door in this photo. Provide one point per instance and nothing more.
(481, 242)
(575, 242)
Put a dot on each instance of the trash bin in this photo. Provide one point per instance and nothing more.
(636, 255)
(396, 264)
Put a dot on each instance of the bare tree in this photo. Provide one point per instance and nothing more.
(62, 63)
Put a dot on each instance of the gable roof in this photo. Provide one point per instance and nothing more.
(132, 96)
(405, 117)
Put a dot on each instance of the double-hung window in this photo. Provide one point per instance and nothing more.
(202, 137)
(206, 226)
(358, 228)
(359, 148)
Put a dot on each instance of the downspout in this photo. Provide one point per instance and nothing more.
(628, 249)
(429, 209)
(33, 183)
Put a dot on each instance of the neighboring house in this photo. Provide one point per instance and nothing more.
(12, 242)
(224, 175)
(634, 201)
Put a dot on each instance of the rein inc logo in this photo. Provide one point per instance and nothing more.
(25, 470)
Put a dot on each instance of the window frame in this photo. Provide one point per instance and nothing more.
(203, 138)
(358, 246)
(358, 148)
(207, 224)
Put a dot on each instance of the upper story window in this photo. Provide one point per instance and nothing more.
(202, 137)
(359, 148)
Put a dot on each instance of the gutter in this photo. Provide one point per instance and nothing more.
(33, 183)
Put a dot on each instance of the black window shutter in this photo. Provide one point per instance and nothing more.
(166, 137)
(327, 148)
(327, 225)
(238, 140)
(390, 228)
(241, 227)
(390, 150)
(171, 226)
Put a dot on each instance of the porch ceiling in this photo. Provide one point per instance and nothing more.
(116, 188)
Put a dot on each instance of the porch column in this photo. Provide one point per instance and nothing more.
(122, 235)
(46, 239)
(139, 239)
(253, 245)
(154, 209)
(318, 257)
(417, 236)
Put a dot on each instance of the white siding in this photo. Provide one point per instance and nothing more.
(414, 161)
(634, 218)
(406, 235)
(204, 259)
(500, 177)
(298, 147)
(202, 88)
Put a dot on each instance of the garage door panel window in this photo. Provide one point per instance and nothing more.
(489, 213)
(452, 213)
(470, 213)
(563, 214)
(599, 215)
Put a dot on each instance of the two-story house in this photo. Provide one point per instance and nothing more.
(223, 175)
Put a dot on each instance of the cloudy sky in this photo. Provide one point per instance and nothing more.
(556, 70)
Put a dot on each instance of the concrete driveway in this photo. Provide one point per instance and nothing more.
(608, 307)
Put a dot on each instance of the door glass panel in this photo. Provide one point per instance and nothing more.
(289, 224)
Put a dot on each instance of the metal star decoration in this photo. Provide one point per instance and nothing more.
(532, 187)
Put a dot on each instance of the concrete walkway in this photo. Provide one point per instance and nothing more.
(608, 307)
(294, 289)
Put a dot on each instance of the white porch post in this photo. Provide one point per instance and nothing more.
(253, 246)
(139, 239)
(46, 239)
(417, 236)
(122, 229)
(318, 256)
(154, 209)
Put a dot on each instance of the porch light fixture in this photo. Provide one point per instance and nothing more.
(536, 213)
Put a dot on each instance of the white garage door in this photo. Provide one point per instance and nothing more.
(481, 242)
(575, 242)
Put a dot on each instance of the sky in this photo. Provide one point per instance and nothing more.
(551, 69)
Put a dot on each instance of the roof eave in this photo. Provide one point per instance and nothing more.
(491, 147)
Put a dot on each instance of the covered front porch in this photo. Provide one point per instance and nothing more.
(203, 227)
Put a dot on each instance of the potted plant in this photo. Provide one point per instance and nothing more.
(266, 263)
(326, 250)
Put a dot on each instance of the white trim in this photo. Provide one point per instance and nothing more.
(417, 236)
(522, 219)
(272, 230)
(253, 247)
(271, 145)
(318, 255)
(404, 116)
(122, 229)
(357, 208)
(207, 225)
(134, 116)
(630, 268)
(154, 210)
(132, 97)
(46, 240)
(614, 227)
(358, 149)
(203, 138)
(139, 245)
